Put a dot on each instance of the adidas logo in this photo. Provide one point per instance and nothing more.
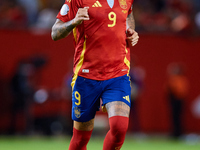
(97, 4)
(127, 98)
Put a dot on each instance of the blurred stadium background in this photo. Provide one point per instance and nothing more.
(35, 73)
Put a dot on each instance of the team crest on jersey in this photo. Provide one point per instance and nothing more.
(77, 112)
(124, 11)
(123, 4)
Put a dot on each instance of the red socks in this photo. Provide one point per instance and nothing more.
(116, 135)
(113, 140)
(79, 139)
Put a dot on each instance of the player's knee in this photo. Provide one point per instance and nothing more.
(118, 130)
(84, 137)
(81, 137)
(119, 127)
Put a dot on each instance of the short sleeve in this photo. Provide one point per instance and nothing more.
(131, 8)
(68, 11)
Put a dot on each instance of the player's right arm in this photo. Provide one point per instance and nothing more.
(62, 29)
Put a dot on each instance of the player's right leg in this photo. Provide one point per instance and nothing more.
(81, 135)
(85, 102)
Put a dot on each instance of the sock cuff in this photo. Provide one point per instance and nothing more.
(121, 119)
(81, 133)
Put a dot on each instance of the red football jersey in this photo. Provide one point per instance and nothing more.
(101, 50)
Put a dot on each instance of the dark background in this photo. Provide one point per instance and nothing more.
(168, 30)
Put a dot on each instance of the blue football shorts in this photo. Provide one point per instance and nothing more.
(87, 93)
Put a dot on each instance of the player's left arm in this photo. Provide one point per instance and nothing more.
(132, 35)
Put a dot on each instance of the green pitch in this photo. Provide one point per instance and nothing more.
(57, 143)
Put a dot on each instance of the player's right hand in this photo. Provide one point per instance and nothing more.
(81, 15)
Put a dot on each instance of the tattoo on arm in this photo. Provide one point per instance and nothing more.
(131, 21)
(61, 30)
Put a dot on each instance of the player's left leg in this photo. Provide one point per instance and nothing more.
(85, 102)
(118, 113)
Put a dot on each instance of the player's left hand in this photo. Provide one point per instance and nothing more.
(132, 36)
